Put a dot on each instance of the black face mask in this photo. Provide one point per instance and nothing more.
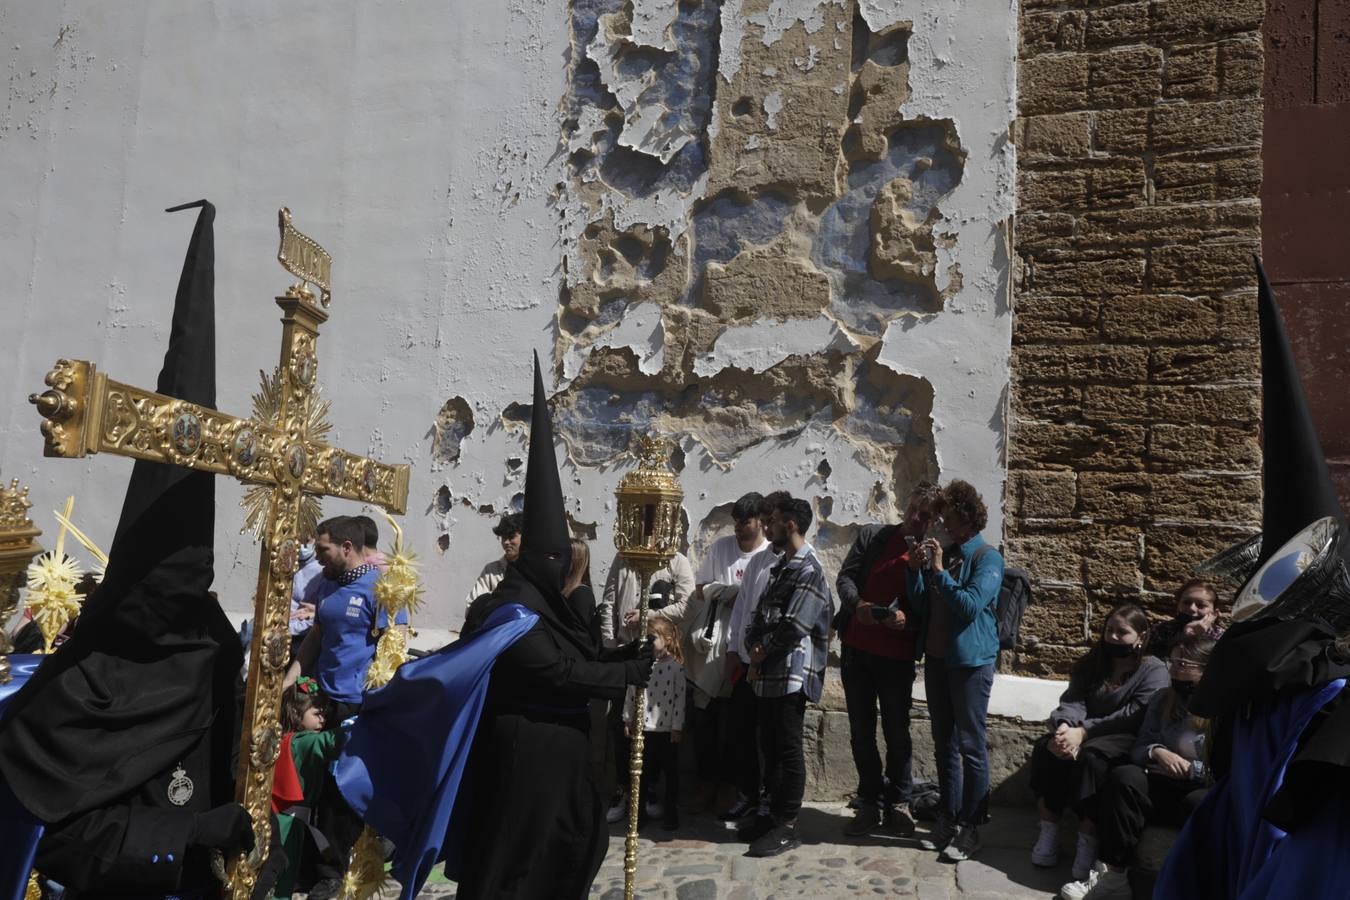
(1184, 689)
(1118, 651)
(1187, 618)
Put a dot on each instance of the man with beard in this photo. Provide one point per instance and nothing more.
(535, 825)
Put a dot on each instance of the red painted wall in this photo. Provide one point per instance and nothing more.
(1306, 204)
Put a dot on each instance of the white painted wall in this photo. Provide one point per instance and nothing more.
(418, 141)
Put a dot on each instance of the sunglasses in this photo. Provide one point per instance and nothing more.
(1184, 664)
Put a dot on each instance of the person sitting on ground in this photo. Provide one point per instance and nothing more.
(306, 750)
(1195, 613)
(877, 661)
(507, 531)
(662, 724)
(1094, 728)
(1165, 780)
(957, 597)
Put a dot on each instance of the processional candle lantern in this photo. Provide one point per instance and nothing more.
(646, 535)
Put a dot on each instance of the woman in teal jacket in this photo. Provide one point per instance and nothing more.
(955, 598)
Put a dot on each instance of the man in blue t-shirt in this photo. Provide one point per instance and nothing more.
(339, 649)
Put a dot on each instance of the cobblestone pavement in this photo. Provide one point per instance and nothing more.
(703, 861)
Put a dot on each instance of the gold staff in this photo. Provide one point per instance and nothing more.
(646, 535)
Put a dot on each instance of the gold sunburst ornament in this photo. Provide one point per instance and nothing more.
(311, 428)
(52, 581)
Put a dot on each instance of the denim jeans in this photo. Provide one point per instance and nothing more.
(872, 681)
(958, 702)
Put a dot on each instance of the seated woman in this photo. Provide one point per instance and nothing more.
(1165, 780)
(1196, 613)
(1094, 729)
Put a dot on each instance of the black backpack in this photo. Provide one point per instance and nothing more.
(1013, 597)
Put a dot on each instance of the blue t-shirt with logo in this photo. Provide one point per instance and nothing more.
(347, 616)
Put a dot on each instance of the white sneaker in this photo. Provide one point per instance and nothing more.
(1084, 857)
(655, 809)
(1046, 851)
(1080, 888)
(618, 810)
(1101, 884)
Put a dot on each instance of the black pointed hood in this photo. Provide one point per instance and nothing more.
(545, 541)
(153, 656)
(1296, 485)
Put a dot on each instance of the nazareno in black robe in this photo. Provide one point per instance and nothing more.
(142, 695)
(537, 821)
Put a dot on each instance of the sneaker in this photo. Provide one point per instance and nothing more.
(964, 846)
(1084, 857)
(1101, 884)
(865, 820)
(897, 819)
(944, 829)
(655, 809)
(754, 829)
(1046, 851)
(738, 810)
(618, 810)
(779, 839)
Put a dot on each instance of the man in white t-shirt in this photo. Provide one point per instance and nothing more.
(719, 579)
(743, 739)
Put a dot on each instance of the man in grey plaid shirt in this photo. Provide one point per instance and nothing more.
(788, 640)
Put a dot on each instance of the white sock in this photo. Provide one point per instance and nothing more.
(1049, 831)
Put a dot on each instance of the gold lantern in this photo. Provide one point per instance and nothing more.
(646, 535)
(18, 546)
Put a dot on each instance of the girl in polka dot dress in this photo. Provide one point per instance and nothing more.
(663, 722)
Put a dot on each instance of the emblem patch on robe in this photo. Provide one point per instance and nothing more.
(180, 787)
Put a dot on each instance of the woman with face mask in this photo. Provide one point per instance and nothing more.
(1195, 614)
(1164, 781)
(1094, 729)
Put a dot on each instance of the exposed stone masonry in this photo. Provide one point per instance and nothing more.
(1134, 450)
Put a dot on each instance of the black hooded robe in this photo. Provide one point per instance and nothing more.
(538, 820)
(103, 740)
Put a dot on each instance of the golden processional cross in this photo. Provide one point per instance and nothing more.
(279, 451)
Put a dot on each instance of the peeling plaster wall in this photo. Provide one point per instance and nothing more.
(771, 229)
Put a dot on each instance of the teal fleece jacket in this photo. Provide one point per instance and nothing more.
(972, 601)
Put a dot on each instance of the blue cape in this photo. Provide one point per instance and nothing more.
(1226, 848)
(401, 768)
(19, 831)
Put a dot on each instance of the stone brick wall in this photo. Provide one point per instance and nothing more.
(1134, 447)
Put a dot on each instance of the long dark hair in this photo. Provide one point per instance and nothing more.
(1096, 665)
(297, 700)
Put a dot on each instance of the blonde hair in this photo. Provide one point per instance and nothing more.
(658, 624)
(580, 571)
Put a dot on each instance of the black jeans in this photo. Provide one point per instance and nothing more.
(1075, 783)
(871, 681)
(1132, 799)
(780, 734)
(660, 757)
(621, 746)
(743, 734)
(710, 741)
